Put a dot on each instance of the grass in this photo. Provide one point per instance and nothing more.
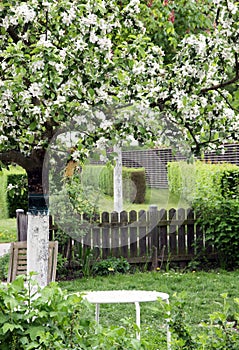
(8, 230)
(160, 197)
(201, 292)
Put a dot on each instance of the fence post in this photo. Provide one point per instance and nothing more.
(37, 247)
(21, 225)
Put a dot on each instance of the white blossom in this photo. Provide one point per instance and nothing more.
(101, 143)
(106, 124)
(232, 7)
(26, 12)
(36, 110)
(37, 65)
(93, 37)
(104, 43)
(3, 138)
(76, 155)
(35, 89)
(138, 68)
(44, 41)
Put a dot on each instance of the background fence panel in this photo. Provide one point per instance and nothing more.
(155, 235)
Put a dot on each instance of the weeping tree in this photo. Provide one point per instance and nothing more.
(61, 59)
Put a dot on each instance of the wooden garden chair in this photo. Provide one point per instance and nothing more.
(18, 260)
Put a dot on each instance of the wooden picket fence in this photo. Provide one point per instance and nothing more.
(147, 236)
(154, 236)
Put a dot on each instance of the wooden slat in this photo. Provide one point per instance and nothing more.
(133, 234)
(190, 233)
(115, 234)
(181, 232)
(172, 233)
(153, 218)
(124, 234)
(163, 231)
(18, 260)
(142, 233)
(105, 235)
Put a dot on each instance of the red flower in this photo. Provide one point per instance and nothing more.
(165, 3)
(171, 17)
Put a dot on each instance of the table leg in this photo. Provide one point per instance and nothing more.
(97, 313)
(168, 331)
(137, 308)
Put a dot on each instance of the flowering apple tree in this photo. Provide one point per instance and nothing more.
(60, 57)
(103, 66)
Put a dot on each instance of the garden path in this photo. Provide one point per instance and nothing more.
(4, 248)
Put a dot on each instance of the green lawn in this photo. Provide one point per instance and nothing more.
(8, 230)
(200, 291)
(160, 197)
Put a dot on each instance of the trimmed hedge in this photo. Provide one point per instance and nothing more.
(203, 180)
(13, 191)
(134, 185)
(101, 178)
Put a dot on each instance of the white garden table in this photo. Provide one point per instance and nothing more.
(126, 296)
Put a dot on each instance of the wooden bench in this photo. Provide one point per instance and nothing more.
(18, 260)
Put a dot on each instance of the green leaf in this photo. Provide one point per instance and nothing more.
(91, 93)
(36, 331)
(10, 327)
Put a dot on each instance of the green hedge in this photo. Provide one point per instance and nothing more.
(202, 180)
(13, 191)
(213, 190)
(101, 178)
(134, 185)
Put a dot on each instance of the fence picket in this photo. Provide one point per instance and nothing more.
(133, 234)
(190, 232)
(172, 232)
(163, 231)
(181, 232)
(96, 238)
(153, 218)
(124, 234)
(105, 235)
(115, 243)
(142, 233)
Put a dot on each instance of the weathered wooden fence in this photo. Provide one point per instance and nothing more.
(153, 236)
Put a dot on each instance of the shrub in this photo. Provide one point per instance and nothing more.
(50, 318)
(101, 179)
(213, 193)
(201, 180)
(220, 221)
(13, 191)
(219, 332)
(134, 185)
(4, 263)
(110, 265)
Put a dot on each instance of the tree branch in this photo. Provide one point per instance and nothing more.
(13, 34)
(14, 156)
(225, 83)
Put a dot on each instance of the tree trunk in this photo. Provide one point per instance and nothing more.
(38, 200)
(118, 181)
